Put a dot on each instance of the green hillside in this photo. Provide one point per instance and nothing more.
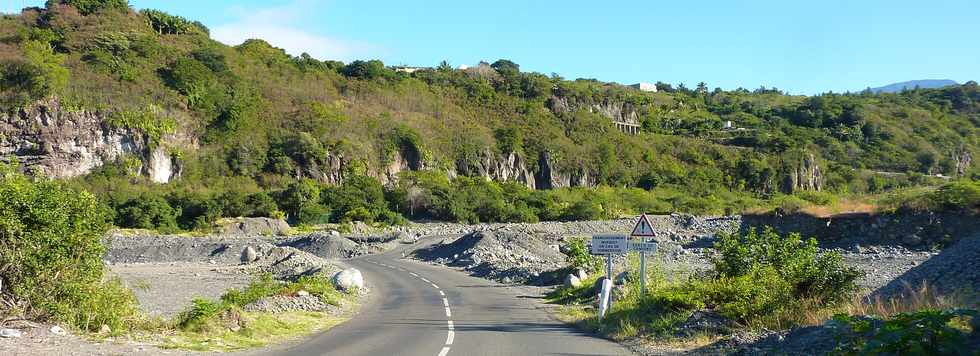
(258, 132)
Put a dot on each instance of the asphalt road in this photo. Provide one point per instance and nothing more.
(417, 309)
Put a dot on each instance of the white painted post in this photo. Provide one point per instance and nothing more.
(604, 296)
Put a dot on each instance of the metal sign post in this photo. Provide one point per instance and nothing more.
(643, 229)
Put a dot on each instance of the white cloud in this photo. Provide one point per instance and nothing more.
(278, 26)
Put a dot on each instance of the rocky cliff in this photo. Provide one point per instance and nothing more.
(59, 143)
(614, 110)
(804, 175)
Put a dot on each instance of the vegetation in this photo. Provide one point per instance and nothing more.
(269, 122)
(926, 332)
(759, 280)
(51, 256)
(205, 320)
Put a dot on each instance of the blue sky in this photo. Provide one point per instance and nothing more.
(803, 47)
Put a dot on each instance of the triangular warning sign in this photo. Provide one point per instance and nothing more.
(643, 227)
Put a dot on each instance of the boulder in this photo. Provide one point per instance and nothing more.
(349, 280)
(249, 255)
(571, 281)
(57, 330)
(581, 274)
(622, 277)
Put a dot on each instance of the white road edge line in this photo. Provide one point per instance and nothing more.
(442, 293)
(413, 274)
(448, 313)
(445, 302)
(451, 326)
(425, 280)
(449, 337)
(444, 352)
(435, 286)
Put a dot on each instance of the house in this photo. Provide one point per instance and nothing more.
(644, 87)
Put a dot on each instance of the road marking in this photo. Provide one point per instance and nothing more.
(451, 326)
(448, 313)
(425, 280)
(444, 352)
(413, 274)
(442, 293)
(434, 286)
(445, 302)
(449, 337)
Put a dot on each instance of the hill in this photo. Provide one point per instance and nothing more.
(912, 84)
(174, 130)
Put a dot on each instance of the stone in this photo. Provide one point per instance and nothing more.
(581, 274)
(571, 281)
(622, 277)
(249, 255)
(912, 240)
(57, 330)
(334, 233)
(105, 329)
(349, 280)
(302, 293)
(10, 333)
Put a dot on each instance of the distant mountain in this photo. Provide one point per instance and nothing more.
(924, 84)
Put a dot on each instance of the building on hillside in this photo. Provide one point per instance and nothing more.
(644, 87)
(407, 69)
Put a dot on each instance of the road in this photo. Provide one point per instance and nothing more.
(417, 309)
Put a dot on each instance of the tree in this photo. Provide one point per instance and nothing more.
(364, 69)
(505, 67)
(87, 7)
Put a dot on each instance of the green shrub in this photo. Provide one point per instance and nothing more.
(961, 195)
(200, 316)
(927, 332)
(260, 287)
(51, 255)
(823, 277)
(39, 75)
(578, 254)
(148, 211)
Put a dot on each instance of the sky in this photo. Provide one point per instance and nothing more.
(802, 47)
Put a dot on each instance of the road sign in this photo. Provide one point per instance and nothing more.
(609, 244)
(642, 227)
(642, 246)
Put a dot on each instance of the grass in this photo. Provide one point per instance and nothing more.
(222, 325)
(260, 329)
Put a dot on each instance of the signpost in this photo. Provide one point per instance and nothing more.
(643, 229)
(617, 244)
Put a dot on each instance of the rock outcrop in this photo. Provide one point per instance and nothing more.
(551, 177)
(48, 139)
(806, 175)
(617, 111)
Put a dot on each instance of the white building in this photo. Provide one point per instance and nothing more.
(644, 87)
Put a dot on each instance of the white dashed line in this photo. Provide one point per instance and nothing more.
(442, 294)
(425, 280)
(435, 286)
(451, 326)
(413, 274)
(445, 302)
(444, 352)
(449, 337)
(448, 313)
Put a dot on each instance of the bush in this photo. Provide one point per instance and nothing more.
(579, 256)
(823, 277)
(958, 196)
(148, 211)
(927, 332)
(38, 76)
(51, 255)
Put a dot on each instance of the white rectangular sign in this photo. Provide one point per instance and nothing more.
(609, 244)
(643, 246)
